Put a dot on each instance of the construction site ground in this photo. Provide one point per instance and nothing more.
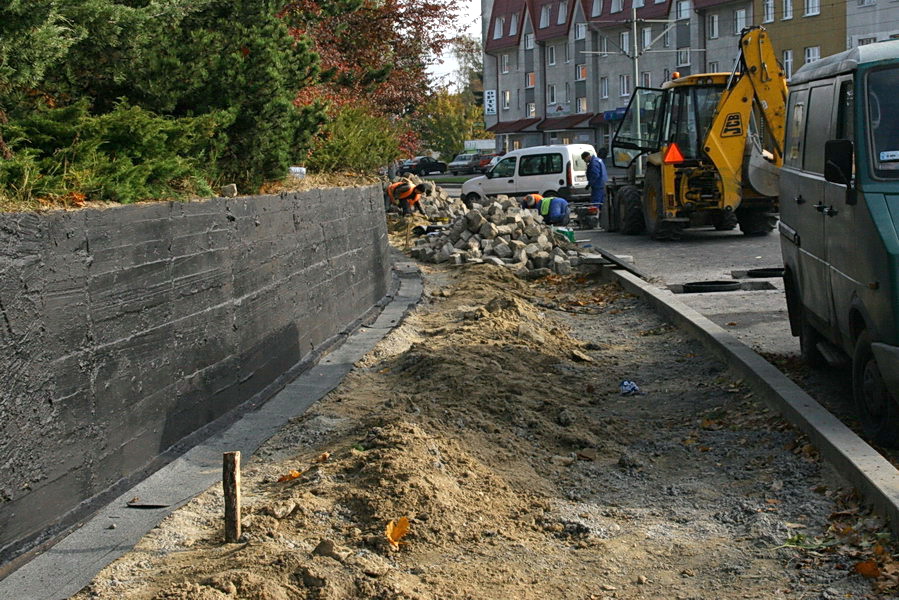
(492, 420)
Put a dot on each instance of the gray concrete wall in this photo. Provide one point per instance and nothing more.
(124, 330)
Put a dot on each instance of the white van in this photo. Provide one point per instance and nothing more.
(556, 170)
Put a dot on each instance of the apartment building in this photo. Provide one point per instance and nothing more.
(563, 71)
(803, 31)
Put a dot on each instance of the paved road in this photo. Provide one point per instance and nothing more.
(757, 314)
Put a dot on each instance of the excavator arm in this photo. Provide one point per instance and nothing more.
(758, 87)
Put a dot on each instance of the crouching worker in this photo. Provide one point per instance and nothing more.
(407, 196)
(554, 211)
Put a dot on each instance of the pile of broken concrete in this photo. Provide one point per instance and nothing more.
(501, 233)
(437, 204)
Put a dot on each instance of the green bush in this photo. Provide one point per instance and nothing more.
(355, 141)
(125, 155)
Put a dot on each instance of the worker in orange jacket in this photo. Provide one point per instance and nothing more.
(405, 195)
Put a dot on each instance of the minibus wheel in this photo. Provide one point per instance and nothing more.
(876, 405)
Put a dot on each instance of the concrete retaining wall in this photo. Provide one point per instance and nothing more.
(124, 330)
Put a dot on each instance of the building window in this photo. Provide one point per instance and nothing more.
(567, 53)
(739, 20)
(551, 93)
(624, 85)
(646, 34)
(597, 8)
(788, 10)
(713, 66)
(812, 7)
(505, 62)
(666, 39)
(638, 3)
(529, 41)
(551, 55)
(604, 46)
(498, 25)
(580, 31)
(812, 54)
(683, 9)
(616, 6)
(866, 41)
(867, 2)
(567, 97)
(624, 41)
(603, 87)
(787, 57)
(563, 13)
(683, 57)
(507, 99)
(646, 79)
(712, 27)
(531, 109)
(767, 11)
(530, 79)
(513, 24)
(580, 72)
(544, 16)
(582, 104)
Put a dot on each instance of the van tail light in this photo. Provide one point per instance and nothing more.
(592, 210)
(570, 175)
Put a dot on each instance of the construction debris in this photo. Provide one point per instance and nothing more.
(504, 234)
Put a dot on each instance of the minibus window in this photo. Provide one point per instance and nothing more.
(883, 121)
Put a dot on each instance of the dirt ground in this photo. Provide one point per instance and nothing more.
(492, 420)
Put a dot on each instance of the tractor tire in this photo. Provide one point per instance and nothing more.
(756, 222)
(726, 220)
(630, 210)
(653, 212)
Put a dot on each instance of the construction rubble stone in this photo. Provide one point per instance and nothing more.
(500, 233)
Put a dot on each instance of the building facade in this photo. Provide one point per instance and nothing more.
(563, 71)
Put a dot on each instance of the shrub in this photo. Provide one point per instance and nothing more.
(355, 140)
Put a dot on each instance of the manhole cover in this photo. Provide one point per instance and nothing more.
(766, 272)
(699, 287)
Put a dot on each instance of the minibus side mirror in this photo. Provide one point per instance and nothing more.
(838, 156)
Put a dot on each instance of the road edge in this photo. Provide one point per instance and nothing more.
(852, 457)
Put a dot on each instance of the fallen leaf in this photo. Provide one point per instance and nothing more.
(867, 568)
(732, 324)
(324, 456)
(291, 475)
(396, 531)
(590, 388)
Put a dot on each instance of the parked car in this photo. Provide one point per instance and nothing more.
(423, 165)
(556, 170)
(838, 229)
(464, 163)
(486, 162)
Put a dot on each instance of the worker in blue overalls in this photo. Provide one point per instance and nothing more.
(596, 176)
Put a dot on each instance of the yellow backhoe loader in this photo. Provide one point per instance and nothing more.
(710, 147)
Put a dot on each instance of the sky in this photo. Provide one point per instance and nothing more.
(469, 22)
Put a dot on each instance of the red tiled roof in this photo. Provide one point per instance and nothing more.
(553, 29)
(512, 126)
(606, 19)
(567, 122)
(505, 9)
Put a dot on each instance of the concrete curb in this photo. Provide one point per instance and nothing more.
(852, 457)
(65, 568)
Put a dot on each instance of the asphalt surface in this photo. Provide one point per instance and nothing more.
(756, 314)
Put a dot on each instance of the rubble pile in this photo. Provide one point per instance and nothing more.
(504, 234)
(436, 202)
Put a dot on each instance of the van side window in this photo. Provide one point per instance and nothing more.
(820, 117)
(505, 167)
(845, 112)
(540, 164)
(795, 129)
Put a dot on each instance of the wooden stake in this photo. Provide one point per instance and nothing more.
(231, 485)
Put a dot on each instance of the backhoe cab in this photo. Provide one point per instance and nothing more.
(710, 144)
